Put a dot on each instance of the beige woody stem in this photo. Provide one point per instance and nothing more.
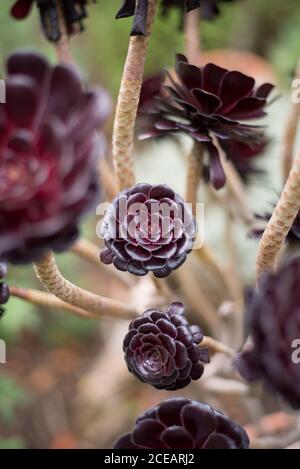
(43, 299)
(192, 36)
(63, 44)
(214, 346)
(236, 194)
(89, 251)
(129, 95)
(290, 133)
(50, 276)
(194, 174)
(281, 221)
(108, 180)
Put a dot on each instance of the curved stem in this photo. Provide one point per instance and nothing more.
(214, 346)
(233, 278)
(162, 287)
(194, 173)
(62, 46)
(192, 36)
(108, 180)
(206, 256)
(50, 276)
(290, 133)
(90, 252)
(281, 221)
(43, 299)
(235, 188)
(193, 292)
(129, 95)
(87, 250)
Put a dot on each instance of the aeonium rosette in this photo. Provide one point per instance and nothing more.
(48, 156)
(148, 228)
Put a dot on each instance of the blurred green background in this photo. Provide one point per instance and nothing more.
(268, 28)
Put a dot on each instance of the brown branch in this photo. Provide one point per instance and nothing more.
(198, 300)
(62, 46)
(281, 221)
(214, 346)
(192, 36)
(91, 253)
(43, 299)
(162, 287)
(108, 180)
(50, 276)
(193, 179)
(129, 95)
(235, 187)
(194, 174)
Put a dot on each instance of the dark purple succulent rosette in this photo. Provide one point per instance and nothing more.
(163, 350)
(74, 11)
(48, 156)
(273, 325)
(140, 11)
(211, 103)
(180, 423)
(148, 229)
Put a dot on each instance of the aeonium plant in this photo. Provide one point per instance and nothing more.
(49, 152)
(50, 143)
(215, 107)
(52, 12)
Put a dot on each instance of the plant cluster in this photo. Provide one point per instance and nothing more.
(51, 148)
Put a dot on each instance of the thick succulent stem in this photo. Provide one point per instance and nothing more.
(129, 95)
(290, 133)
(197, 299)
(47, 300)
(90, 252)
(108, 180)
(194, 173)
(162, 287)
(236, 194)
(281, 221)
(63, 51)
(192, 36)
(206, 256)
(214, 346)
(50, 276)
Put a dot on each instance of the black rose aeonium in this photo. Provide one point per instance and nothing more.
(274, 327)
(163, 349)
(180, 423)
(140, 10)
(74, 11)
(208, 104)
(48, 156)
(148, 229)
